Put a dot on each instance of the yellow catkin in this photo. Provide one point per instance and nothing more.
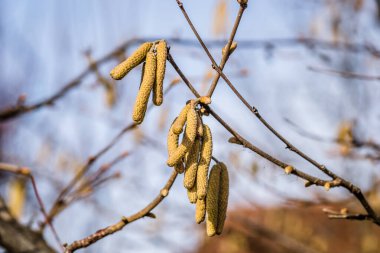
(187, 140)
(192, 194)
(213, 200)
(142, 98)
(200, 127)
(223, 197)
(204, 162)
(158, 95)
(131, 62)
(172, 145)
(232, 48)
(181, 119)
(191, 165)
(200, 210)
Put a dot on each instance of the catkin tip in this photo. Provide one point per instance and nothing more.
(131, 62)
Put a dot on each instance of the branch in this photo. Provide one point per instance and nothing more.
(345, 74)
(311, 43)
(15, 237)
(227, 51)
(102, 233)
(336, 182)
(24, 171)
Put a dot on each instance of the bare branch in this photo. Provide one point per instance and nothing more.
(345, 74)
(145, 212)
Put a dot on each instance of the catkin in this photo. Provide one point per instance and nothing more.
(131, 62)
(187, 140)
(200, 210)
(142, 98)
(223, 197)
(172, 145)
(158, 95)
(192, 194)
(204, 162)
(213, 200)
(181, 119)
(191, 165)
(200, 127)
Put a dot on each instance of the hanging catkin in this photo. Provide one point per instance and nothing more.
(204, 162)
(131, 62)
(191, 165)
(213, 200)
(200, 210)
(142, 98)
(158, 95)
(187, 140)
(200, 127)
(192, 194)
(181, 119)
(172, 145)
(223, 197)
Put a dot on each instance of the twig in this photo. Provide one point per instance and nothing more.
(345, 74)
(337, 181)
(146, 211)
(227, 51)
(24, 171)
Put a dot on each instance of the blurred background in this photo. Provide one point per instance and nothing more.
(310, 67)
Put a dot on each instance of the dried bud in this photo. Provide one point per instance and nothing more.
(288, 169)
(232, 48)
(327, 186)
(205, 100)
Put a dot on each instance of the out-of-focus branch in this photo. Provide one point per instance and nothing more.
(345, 74)
(311, 43)
(60, 204)
(145, 212)
(24, 171)
(15, 237)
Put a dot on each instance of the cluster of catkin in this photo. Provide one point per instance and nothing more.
(193, 156)
(153, 54)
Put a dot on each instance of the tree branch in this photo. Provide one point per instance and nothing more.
(102, 233)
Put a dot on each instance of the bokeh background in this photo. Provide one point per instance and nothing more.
(45, 44)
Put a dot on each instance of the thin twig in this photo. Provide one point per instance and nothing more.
(227, 51)
(345, 74)
(24, 171)
(146, 211)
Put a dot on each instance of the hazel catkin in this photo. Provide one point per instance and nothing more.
(142, 98)
(191, 165)
(192, 194)
(181, 119)
(223, 197)
(131, 62)
(200, 210)
(213, 200)
(172, 145)
(204, 162)
(187, 140)
(158, 95)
